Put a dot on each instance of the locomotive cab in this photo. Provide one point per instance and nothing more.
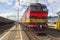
(35, 18)
(38, 18)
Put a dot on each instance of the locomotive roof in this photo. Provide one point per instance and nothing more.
(32, 4)
(35, 4)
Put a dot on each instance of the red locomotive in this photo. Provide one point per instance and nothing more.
(35, 18)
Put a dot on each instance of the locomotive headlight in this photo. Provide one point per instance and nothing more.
(41, 26)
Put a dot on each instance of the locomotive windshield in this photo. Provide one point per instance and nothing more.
(44, 7)
(35, 8)
(38, 8)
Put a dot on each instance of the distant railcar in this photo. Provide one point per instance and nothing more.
(35, 18)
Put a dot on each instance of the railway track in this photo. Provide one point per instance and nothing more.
(29, 34)
(32, 36)
(48, 37)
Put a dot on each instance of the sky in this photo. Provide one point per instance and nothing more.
(9, 8)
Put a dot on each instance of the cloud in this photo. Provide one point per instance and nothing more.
(16, 4)
(54, 7)
(22, 6)
(9, 15)
(24, 2)
(6, 14)
(12, 15)
(50, 14)
(8, 2)
(4, 0)
(58, 9)
(51, 1)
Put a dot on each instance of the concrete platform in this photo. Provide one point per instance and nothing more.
(15, 33)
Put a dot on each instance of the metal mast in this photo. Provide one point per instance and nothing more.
(18, 10)
(36, 1)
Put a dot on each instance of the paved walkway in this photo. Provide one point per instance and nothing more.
(12, 34)
(15, 33)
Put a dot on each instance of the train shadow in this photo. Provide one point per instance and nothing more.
(42, 34)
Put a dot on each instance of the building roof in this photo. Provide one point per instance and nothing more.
(58, 13)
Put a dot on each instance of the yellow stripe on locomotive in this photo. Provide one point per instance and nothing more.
(38, 20)
(34, 20)
(27, 20)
